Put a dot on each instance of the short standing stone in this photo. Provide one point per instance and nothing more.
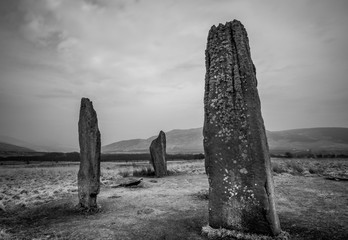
(241, 193)
(89, 140)
(158, 155)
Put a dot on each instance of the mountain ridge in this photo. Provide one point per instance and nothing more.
(32, 147)
(191, 141)
(7, 147)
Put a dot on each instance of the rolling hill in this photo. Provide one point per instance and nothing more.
(19, 143)
(6, 147)
(178, 141)
(191, 141)
(50, 147)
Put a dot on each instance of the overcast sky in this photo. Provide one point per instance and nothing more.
(142, 64)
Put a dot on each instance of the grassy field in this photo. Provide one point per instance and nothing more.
(37, 201)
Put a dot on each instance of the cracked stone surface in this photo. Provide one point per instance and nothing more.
(241, 192)
(90, 145)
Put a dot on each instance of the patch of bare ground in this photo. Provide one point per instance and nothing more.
(174, 207)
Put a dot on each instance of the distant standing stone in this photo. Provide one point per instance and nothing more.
(241, 193)
(89, 172)
(158, 155)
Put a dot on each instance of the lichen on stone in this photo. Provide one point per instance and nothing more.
(234, 137)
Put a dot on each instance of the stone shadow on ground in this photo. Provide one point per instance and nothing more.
(182, 225)
(62, 220)
(29, 223)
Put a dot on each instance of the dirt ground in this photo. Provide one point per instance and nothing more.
(38, 202)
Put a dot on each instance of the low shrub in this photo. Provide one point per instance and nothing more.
(172, 172)
(278, 168)
(295, 166)
(316, 170)
(145, 171)
(202, 195)
(124, 173)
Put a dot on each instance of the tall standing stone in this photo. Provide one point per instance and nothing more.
(89, 172)
(241, 193)
(158, 155)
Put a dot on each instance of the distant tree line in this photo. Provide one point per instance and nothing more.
(46, 157)
(197, 156)
(120, 157)
(309, 154)
(116, 157)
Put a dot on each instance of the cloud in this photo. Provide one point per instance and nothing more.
(187, 66)
(142, 62)
(56, 93)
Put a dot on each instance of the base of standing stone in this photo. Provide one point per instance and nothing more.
(213, 233)
(82, 208)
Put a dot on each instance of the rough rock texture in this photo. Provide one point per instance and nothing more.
(89, 140)
(158, 155)
(241, 193)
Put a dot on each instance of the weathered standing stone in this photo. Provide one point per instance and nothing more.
(158, 155)
(89, 140)
(241, 193)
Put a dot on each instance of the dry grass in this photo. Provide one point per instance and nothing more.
(26, 187)
(295, 167)
(174, 167)
(310, 167)
(39, 202)
(278, 168)
(124, 174)
(144, 172)
(202, 195)
(319, 170)
(222, 233)
(192, 167)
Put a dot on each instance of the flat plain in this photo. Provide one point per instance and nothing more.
(37, 201)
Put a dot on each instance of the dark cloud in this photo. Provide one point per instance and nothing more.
(136, 57)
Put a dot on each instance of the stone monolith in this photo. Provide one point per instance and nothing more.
(158, 155)
(241, 193)
(89, 172)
